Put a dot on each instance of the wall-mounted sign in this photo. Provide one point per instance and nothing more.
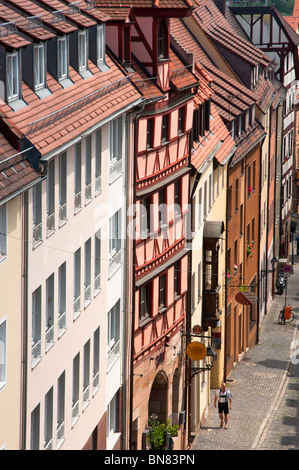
(196, 351)
(197, 329)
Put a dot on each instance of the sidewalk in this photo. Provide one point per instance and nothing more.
(264, 386)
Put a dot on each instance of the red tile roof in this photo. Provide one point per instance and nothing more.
(230, 96)
(217, 142)
(181, 76)
(68, 113)
(71, 12)
(38, 32)
(211, 20)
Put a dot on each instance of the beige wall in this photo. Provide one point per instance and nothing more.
(10, 310)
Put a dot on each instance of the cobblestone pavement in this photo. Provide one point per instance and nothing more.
(264, 386)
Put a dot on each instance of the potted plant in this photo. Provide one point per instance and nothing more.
(250, 248)
(159, 432)
(249, 190)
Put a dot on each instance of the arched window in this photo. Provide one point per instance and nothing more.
(162, 41)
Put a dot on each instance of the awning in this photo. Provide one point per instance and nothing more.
(213, 229)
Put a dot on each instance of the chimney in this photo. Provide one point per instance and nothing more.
(220, 5)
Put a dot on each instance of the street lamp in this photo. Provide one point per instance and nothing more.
(210, 357)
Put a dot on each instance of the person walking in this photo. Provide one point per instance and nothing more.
(224, 397)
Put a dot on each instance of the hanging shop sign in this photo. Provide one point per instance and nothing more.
(246, 298)
(196, 351)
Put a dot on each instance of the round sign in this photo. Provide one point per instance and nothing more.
(196, 351)
(197, 329)
(287, 268)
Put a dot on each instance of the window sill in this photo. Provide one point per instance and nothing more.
(62, 223)
(3, 258)
(43, 92)
(37, 244)
(17, 104)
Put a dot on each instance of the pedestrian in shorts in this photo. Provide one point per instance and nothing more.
(224, 404)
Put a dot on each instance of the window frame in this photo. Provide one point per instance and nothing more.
(63, 58)
(83, 50)
(3, 231)
(39, 64)
(13, 80)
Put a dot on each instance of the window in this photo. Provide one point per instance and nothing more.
(39, 66)
(3, 230)
(36, 325)
(162, 207)
(77, 283)
(88, 154)
(87, 272)
(208, 271)
(150, 133)
(51, 198)
(114, 234)
(162, 292)
(78, 177)
(165, 126)
(61, 299)
(176, 280)
(37, 214)
(100, 43)
(97, 262)
(177, 198)
(13, 80)
(181, 120)
(82, 50)
(35, 428)
(116, 143)
(3, 360)
(144, 302)
(96, 361)
(62, 51)
(62, 188)
(86, 372)
(198, 282)
(98, 162)
(60, 410)
(48, 423)
(113, 326)
(75, 390)
(112, 416)
(162, 41)
(237, 196)
(49, 312)
(145, 217)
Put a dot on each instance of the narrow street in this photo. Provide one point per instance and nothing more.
(264, 386)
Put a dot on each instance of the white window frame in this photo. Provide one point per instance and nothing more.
(100, 44)
(62, 58)
(3, 231)
(3, 351)
(82, 50)
(12, 76)
(39, 66)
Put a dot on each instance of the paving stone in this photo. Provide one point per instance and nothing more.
(265, 389)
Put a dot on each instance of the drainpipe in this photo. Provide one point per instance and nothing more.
(134, 115)
(24, 318)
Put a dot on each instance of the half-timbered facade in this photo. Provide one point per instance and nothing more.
(270, 32)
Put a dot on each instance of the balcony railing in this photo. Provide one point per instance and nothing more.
(62, 213)
(88, 193)
(36, 352)
(48, 444)
(114, 263)
(49, 336)
(96, 382)
(115, 169)
(37, 234)
(113, 353)
(86, 399)
(59, 434)
(78, 201)
(97, 284)
(76, 307)
(87, 295)
(61, 324)
(75, 412)
(98, 184)
(50, 223)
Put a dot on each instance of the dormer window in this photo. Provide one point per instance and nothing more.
(39, 66)
(12, 71)
(82, 51)
(62, 58)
